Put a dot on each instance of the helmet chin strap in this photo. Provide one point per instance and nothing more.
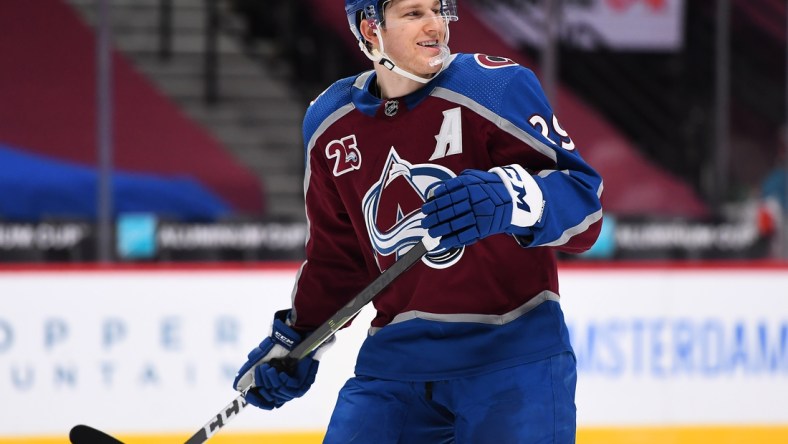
(380, 56)
(385, 61)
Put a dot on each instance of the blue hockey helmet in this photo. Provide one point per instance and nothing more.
(358, 10)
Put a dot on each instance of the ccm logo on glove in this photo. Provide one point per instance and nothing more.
(287, 342)
(526, 194)
(477, 204)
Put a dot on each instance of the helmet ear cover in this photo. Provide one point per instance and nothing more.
(360, 10)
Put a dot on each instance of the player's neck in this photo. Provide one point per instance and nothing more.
(392, 85)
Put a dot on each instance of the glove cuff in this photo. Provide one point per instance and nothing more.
(528, 201)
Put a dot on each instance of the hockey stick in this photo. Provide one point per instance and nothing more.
(82, 434)
(85, 434)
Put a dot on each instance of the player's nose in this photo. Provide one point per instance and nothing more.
(434, 23)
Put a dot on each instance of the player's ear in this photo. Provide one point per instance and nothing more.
(369, 31)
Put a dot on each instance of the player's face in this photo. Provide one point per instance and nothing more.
(412, 31)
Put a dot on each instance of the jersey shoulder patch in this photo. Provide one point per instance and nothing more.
(330, 100)
(493, 62)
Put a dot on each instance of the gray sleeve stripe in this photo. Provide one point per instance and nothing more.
(293, 313)
(577, 229)
(330, 120)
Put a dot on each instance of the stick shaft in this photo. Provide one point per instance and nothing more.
(220, 420)
(323, 333)
(352, 308)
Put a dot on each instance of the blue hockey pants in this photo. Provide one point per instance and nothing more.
(527, 404)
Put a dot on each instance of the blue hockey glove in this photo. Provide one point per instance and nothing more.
(268, 387)
(477, 204)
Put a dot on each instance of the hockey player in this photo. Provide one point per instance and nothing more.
(469, 345)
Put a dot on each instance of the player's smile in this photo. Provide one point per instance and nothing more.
(431, 46)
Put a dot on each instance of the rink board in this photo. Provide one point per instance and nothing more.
(665, 354)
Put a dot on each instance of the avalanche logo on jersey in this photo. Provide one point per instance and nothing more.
(346, 155)
(493, 62)
(392, 211)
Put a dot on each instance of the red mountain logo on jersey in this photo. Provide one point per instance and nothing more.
(346, 155)
(392, 210)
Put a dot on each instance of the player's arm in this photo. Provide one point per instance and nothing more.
(543, 193)
(571, 189)
(335, 268)
(332, 274)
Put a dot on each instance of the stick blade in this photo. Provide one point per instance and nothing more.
(82, 434)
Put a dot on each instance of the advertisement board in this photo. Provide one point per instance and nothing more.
(640, 25)
(152, 352)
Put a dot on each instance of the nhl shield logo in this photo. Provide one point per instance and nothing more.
(391, 108)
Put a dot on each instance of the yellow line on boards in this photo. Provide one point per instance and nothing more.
(220, 438)
(587, 435)
(684, 435)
